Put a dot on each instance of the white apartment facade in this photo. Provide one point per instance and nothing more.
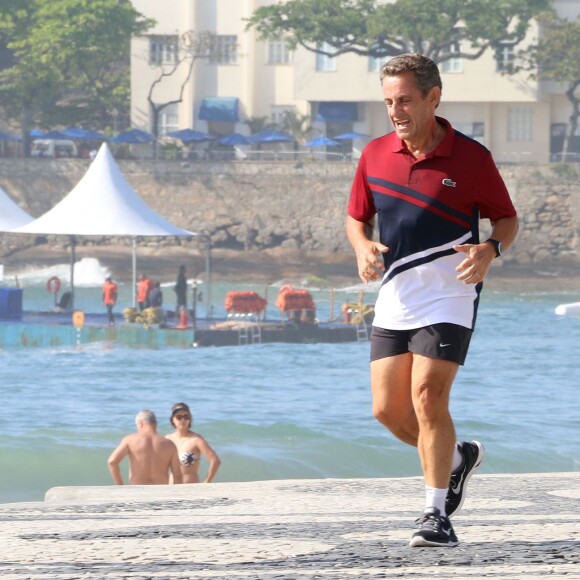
(517, 118)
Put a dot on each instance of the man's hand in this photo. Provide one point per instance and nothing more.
(370, 267)
(473, 269)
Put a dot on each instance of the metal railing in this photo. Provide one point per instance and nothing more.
(269, 155)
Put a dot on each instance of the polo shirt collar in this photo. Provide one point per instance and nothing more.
(443, 149)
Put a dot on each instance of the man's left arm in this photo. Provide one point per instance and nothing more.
(478, 257)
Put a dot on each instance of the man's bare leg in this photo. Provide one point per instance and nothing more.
(431, 386)
(392, 398)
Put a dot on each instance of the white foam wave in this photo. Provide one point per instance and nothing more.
(371, 287)
(88, 273)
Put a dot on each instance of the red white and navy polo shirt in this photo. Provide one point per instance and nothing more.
(425, 207)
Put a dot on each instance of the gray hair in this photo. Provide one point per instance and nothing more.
(146, 416)
(425, 70)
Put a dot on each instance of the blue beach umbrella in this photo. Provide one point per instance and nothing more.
(271, 136)
(255, 137)
(235, 139)
(132, 137)
(190, 135)
(322, 141)
(55, 135)
(36, 133)
(8, 137)
(352, 135)
(84, 134)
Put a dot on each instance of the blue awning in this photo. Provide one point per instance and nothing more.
(336, 111)
(219, 109)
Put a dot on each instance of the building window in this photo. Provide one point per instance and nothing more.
(452, 65)
(376, 62)
(520, 124)
(278, 113)
(325, 63)
(223, 49)
(162, 50)
(474, 130)
(278, 52)
(168, 119)
(220, 128)
(504, 58)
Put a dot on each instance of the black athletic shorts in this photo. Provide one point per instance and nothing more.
(443, 341)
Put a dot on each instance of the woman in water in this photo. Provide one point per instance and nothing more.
(191, 446)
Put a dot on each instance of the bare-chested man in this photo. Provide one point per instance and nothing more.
(151, 456)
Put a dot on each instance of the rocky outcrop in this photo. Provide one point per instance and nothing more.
(264, 205)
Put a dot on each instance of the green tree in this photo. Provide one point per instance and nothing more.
(66, 61)
(297, 125)
(259, 124)
(555, 58)
(440, 29)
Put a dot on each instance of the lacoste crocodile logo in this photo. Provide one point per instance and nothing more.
(448, 182)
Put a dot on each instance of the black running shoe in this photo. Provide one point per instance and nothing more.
(436, 530)
(473, 453)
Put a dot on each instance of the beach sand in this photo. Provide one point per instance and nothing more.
(314, 268)
(511, 526)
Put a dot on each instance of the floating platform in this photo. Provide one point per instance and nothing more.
(46, 329)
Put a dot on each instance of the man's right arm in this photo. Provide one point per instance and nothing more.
(359, 234)
(115, 460)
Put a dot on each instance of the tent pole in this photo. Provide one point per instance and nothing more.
(208, 311)
(134, 270)
(73, 259)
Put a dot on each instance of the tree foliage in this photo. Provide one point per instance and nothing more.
(66, 61)
(556, 57)
(297, 124)
(440, 29)
(259, 124)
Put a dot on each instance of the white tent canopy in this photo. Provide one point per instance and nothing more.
(103, 204)
(11, 215)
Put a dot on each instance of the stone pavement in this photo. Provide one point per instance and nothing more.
(511, 526)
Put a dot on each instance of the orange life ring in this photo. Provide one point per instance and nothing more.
(53, 285)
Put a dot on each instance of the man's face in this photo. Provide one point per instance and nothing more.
(409, 110)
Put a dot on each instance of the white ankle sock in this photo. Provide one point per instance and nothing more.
(457, 458)
(435, 497)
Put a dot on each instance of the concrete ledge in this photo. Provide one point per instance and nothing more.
(513, 526)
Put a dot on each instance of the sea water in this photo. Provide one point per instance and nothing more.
(277, 411)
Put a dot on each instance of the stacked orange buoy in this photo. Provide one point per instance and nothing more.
(297, 302)
(244, 303)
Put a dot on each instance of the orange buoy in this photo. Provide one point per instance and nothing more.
(244, 303)
(182, 319)
(78, 318)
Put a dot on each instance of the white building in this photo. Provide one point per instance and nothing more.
(517, 118)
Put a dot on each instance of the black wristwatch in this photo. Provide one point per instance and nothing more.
(497, 245)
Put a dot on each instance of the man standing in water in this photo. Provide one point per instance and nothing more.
(428, 185)
(151, 456)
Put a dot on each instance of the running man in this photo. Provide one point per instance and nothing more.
(428, 185)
